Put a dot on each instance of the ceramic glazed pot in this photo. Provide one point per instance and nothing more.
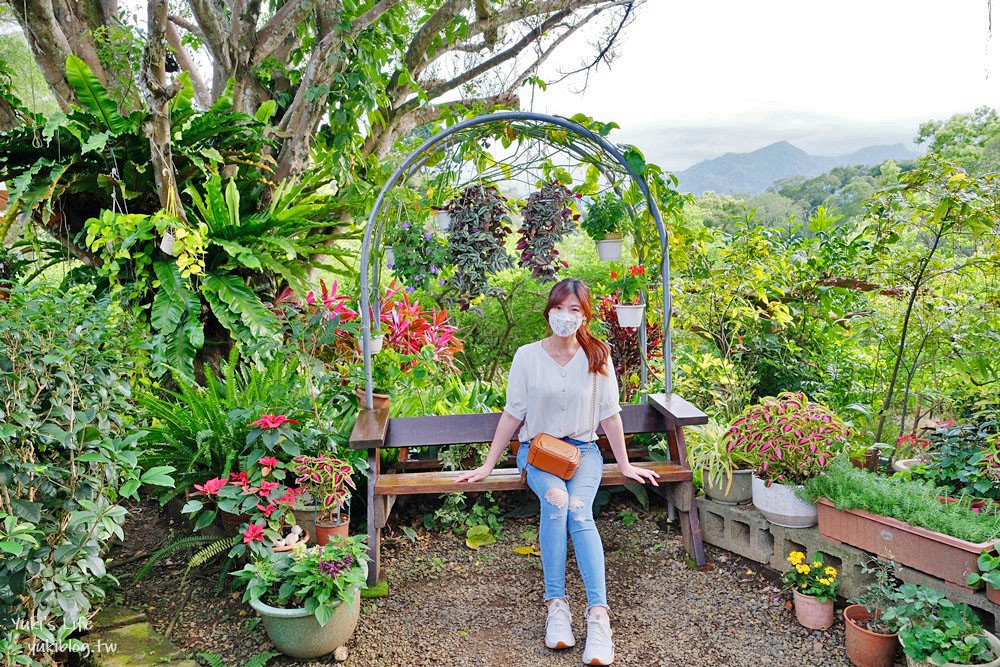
(994, 646)
(779, 505)
(609, 248)
(297, 633)
(864, 647)
(630, 316)
(740, 489)
(811, 613)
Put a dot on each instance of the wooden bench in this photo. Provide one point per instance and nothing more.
(374, 430)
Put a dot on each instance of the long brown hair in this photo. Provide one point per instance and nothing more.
(597, 351)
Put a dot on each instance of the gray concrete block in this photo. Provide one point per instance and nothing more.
(736, 528)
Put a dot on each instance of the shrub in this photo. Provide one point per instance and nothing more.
(67, 457)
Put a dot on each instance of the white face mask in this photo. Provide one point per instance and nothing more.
(564, 324)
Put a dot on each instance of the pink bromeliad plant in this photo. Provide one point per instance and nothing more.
(790, 437)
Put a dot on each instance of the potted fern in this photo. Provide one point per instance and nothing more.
(603, 223)
(309, 599)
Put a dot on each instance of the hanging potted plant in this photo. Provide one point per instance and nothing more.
(627, 288)
(725, 474)
(419, 257)
(868, 639)
(328, 480)
(546, 217)
(603, 223)
(310, 599)
(814, 588)
(793, 439)
(479, 229)
(937, 632)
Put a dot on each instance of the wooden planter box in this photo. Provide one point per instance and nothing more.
(936, 554)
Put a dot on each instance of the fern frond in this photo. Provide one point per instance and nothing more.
(168, 549)
(211, 659)
(261, 659)
(216, 548)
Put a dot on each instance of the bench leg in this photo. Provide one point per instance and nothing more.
(690, 527)
(374, 529)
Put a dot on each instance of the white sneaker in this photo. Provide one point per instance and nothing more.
(558, 628)
(599, 649)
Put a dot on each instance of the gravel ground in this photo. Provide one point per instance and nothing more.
(449, 605)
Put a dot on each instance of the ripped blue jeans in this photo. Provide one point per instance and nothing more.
(567, 509)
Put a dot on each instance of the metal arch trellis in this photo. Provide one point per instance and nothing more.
(449, 136)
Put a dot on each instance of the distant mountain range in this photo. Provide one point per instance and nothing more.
(754, 172)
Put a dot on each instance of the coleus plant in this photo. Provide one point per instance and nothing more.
(328, 480)
(791, 437)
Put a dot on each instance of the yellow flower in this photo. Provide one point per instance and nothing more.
(802, 585)
(803, 568)
(817, 564)
(825, 582)
(831, 571)
(796, 557)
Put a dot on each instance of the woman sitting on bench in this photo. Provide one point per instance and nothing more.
(564, 385)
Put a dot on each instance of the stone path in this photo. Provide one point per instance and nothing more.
(125, 638)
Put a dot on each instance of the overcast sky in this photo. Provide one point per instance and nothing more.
(698, 78)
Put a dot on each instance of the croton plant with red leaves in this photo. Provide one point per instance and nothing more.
(409, 326)
(624, 342)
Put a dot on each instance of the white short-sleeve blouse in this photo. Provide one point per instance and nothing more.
(556, 399)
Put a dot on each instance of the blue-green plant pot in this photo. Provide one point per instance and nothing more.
(297, 633)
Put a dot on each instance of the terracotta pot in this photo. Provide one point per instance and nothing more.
(811, 613)
(933, 553)
(864, 647)
(325, 533)
(993, 594)
(379, 401)
(779, 505)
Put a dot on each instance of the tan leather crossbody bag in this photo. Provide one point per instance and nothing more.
(555, 456)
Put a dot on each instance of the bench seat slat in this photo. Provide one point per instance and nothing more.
(506, 479)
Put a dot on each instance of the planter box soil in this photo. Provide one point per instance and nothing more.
(933, 553)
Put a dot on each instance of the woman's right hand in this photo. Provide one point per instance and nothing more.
(477, 475)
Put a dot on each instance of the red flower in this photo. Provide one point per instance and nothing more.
(253, 533)
(211, 487)
(273, 421)
(267, 510)
(238, 478)
(268, 461)
(266, 488)
(614, 275)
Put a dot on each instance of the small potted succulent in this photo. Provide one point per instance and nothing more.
(989, 574)
(328, 480)
(936, 631)
(725, 474)
(603, 223)
(868, 639)
(793, 439)
(627, 286)
(309, 599)
(814, 588)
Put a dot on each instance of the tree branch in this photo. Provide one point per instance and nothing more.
(210, 15)
(184, 58)
(192, 28)
(278, 27)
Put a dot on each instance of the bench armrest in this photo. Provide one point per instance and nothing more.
(676, 410)
(370, 429)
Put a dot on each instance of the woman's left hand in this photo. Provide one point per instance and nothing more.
(640, 475)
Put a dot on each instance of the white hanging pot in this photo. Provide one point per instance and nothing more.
(630, 316)
(609, 248)
(390, 255)
(444, 219)
(167, 243)
(375, 344)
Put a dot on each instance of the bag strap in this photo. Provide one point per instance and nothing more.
(593, 405)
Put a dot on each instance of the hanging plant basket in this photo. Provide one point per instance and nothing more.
(630, 316)
(167, 243)
(443, 218)
(390, 255)
(609, 248)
